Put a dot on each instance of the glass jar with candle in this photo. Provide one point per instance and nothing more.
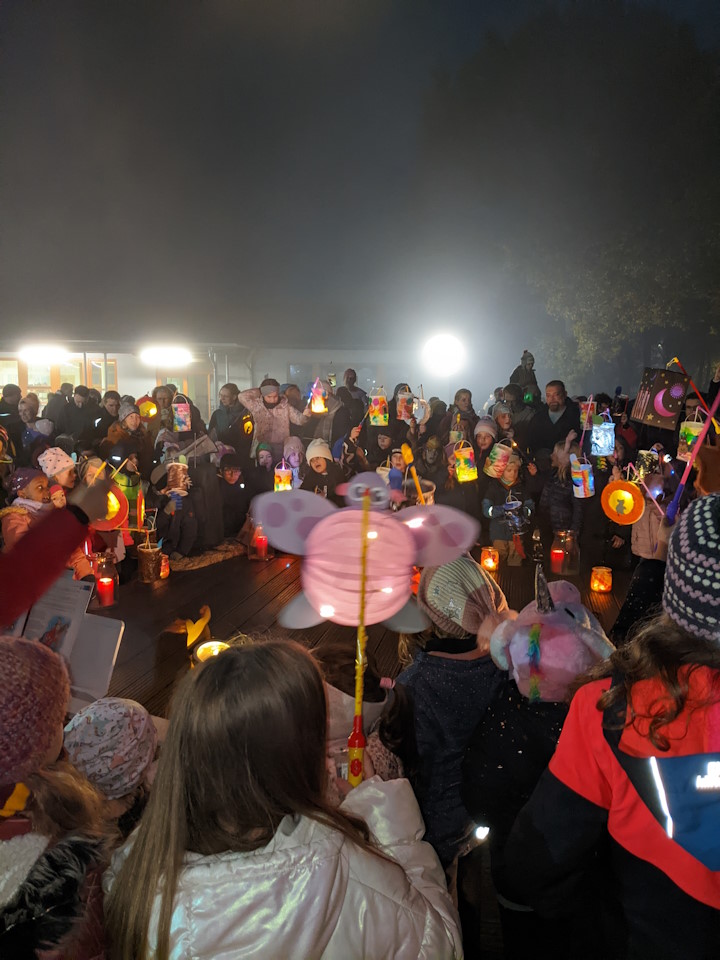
(258, 549)
(107, 581)
(565, 554)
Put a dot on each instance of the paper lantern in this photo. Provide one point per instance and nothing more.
(117, 511)
(623, 502)
(498, 458)
(147, 408)
(489, 558)
(465, 468)
(317, 398)
(283, 477)
(601, 579)
(456, 434)
(378, 411)
(583, 480)
(690, 430)
(404, 405)
(602, 439)
(182, 415)
(646, 462)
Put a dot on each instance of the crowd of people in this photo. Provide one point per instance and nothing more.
(594, 764)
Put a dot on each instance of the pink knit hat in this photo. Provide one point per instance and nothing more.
(34, 694)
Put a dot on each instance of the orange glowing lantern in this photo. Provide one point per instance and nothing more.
(317, 398)
(601, 579)
(283, 477)
(623, 502)
(117, 511)
(209, 649)
(147, 408)
(489, 558)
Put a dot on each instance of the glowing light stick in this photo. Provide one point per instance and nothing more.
(356, 740)
(697, 392)
(672, 509)
(410, 461)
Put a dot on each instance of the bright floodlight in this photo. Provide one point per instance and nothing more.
(166, 357)
(44, 353)
(444, 354)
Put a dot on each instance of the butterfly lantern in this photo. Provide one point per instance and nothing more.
(553, 640)
(331, 541)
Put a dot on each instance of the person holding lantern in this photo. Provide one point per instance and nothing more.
(506, 505)
(272, 414)
(324, 475)
(555, 420)
(129, 428)
(451, 492)
(229, 410)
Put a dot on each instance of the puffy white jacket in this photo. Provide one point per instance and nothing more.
(311, 893)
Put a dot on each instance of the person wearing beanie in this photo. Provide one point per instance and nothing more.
(234, 494)
(30, 492)
(380, 443)
(637, 769)
(261, 477)
(431, 464)
(294, 457)
(113, 743)
(485, 437)
(451, 680)
(324, 475)
(58, 467)
(524, 373)
(51, 831)
(272, 414)
(128, 428)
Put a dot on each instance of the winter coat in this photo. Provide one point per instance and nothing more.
(55, 405)
(312, 894)
(325, 483)
(223, 418)
(558, 504)
(543, 434)
(331, 426)
(449, 699)
(642, 600)
(462, 496)
(117, 433)
(50, 896)
(496, 495)
(607, 780)
(523, 376)
(77, 422)
(272, 424)
(644, 533)
(235, 500)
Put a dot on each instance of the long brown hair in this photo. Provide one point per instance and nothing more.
(63, 802)
(245, 746)
(659, 650)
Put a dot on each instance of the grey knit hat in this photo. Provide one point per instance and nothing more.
(126, 409)
(458, 596)
(692, 577)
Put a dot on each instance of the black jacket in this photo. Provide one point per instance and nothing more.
(543, 434)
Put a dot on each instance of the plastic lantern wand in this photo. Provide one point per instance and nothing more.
(697, 392)
(672, 509)
(410, 461)
(356, 740)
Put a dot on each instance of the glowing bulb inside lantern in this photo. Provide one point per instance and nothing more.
(386, 590)
(415, 522)
(482, 833)
(326, 610)
(372, 535)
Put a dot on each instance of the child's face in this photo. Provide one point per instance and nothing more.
(58, 499)
(295, 459)
(38, 490)
(504, 421)
(91, 473)
(511, 473)
(132, 421)
(318, 464)
(396, 461)
(231, 475)
(264, 459)
(484, 441)
(384, 442)
(66, 478)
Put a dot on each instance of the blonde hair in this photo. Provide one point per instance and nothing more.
(563, 455)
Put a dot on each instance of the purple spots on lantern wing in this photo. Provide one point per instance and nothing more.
(297, 504)
(452, 534)
(677, 391)
(305, 525)
(421, 538)
(275, 515)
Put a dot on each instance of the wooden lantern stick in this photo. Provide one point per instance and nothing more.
(356, 740)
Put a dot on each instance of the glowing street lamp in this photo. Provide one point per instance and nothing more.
(444, 354)
(44, 354)
(166, 357)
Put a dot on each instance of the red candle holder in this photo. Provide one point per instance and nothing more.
(105, 587)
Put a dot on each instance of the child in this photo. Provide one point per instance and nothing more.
(30, 499)
(58, 467)
(113, 743)
(380, 445)
(645, 531)
(176, 520)
(559, 508)
(262, 477)
(240, 854)
(52, 835)
(486, 433)
(431, 464)
(505, 533)
(234, 495)
(452, 493)
(294, 455)
(502, 415)
(324, 475)
(352, 456)
(57, 496)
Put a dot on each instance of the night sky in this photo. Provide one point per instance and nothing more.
(214, 167)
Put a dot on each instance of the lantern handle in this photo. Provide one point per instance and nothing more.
(638, 478)
(585, 420)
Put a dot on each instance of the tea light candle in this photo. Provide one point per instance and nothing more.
(105, 587)
(557, 558)
(211, 648)
(601, 579)
(489, 558)
(261, 546)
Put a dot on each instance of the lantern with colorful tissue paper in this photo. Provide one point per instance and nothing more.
(317, 398)
(601, 579)
(690, 430)
(146, 406)
(378, 409)
(646, 462)
(498, 459)
(489, 558)
(283, 477)
(456, 434)
(182, 415)
(602, 436)
(623, 502)
(465, 468)
(404, 405)
(583, 480)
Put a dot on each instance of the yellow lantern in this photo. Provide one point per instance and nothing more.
(283, 477)
(601, 579)
(208, 649)
(465, 468)
(489, 558)
(317, 398)
(147, 408)
(623, 502)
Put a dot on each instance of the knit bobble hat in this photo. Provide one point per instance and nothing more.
(34, 694)
(691, 596)
(486, 425)
(318, 448)
(126, 410)
(458, 596)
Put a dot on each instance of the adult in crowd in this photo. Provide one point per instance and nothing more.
(227, 413)
(77, 418)
(9, 416)
(57, 402)
(35, 431)
(239, 851)
(273, 414)
(107, 414)
(636, 769)
(162, 420)
(555, 420)
(524, 373)
(461, 408)
(129, 427)
(295, 398)
(350, 383)
(522, 414)
(53, 842)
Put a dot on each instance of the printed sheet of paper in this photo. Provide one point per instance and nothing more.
(55, 619)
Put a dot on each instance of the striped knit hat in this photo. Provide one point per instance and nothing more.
(458, 596)
(692, 578)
